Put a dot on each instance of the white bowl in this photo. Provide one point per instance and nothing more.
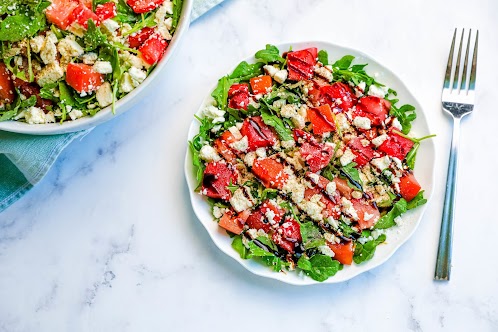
(396, 236)
(122, 105)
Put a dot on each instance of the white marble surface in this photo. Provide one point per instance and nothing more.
(108, 241)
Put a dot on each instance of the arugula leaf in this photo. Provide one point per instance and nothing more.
(220, 94)
(352, 175)
(365, 252)
(240, 248)
(197, 162)
(274, 121)
(23, 19)
(323, 57)
(269, 54)
(405, 115)
(344, 62)
(417, 201)
(267, 257)
(387, 220)
(125, 14)
(93, 37)
(245, 71)
(319, 267)
(346, 230)
(147, 21)
(7, 115)
(177, 10)
(310, 233)
(412, 155)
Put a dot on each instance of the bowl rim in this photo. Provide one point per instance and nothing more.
(307, 281)
(121, 105)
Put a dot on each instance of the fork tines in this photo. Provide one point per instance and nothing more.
(456, 78)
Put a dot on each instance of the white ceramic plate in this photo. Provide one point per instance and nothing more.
(122, 105)
(396, 236)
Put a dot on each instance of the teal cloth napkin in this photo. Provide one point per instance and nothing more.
(25, 159)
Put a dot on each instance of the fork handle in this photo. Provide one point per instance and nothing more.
(443, 262)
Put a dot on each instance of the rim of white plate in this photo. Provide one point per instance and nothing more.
(122, 105)
(398, 235)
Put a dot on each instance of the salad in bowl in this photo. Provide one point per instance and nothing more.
(305, 161)
(62, 60)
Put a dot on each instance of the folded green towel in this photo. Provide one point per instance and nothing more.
(25, 159)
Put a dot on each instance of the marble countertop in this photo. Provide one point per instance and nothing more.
(108, 240)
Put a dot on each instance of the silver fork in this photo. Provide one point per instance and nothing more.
(457, 100)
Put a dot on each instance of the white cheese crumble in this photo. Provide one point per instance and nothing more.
(249, 158)
(208, 153)
(347, 157)
(347, 208)
(239, 201)
(324, 73)
(104, 94)
(214, 113)
(34, 115)
(295, 113)
(377, 91)
(326, 251)
(51, 73)
(331, 188)
(343, 121)
(296, 189)
(103, 67)
(218, 212)
(270, 70)
(68, 47)
(377, 141)
(75, 114)
(235, 132)
(280, 76)
(241, 145)
(396, 124)
(362, 122)
(288, 144)
(261, 152)
(381, 163)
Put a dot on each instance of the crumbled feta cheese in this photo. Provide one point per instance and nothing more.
(51, 73)
(314, 177)
(75, 114)
(279, 103)
(347, 208)
(331, 188)
(270, 70)
(360, 89)
(362, 122)
(208, 153)
(334, 223)
(325, 249)
(377, 91)
(280, 76)
(126, 84)
(104, 95)
(381, 163)
(295, 113)
(110, 25)
(261, 152)
(103, 67)
(377, 141)
(324, 73)
(34, 115)
(213, 112)
(218, 212)
(68, 47)
(347, 157)
(239, 201)
(249, 158)
(356, 194)
(241, 145)
(36, 43)
(235, 132)
(137, 76)
(312, 209)
(396, 124)
(331, 237)
(288, 144)
(50, 117)
(89, 58)
(343, 121)
(48, 51)
(376, 233)
(295, 189)
(367, 216)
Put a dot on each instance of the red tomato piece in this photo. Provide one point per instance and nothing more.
(136, 39)
(222, 145)
(317, 156)
(268, 208)
(288, 235)
(363, 153)
(81, 15)
(342, 187)
(59, 12)
(322, 119)
(343, 252)
(270, 172)
(261, 84)
(257, 220)
(238, 96)
(409, 186)
(153, 48)
(83, 78)
(258, 133)
(234, 223)
(374, 108)
(143, 6)
(106, 11)
(331, 208)
(396, 146)
(367, 214)
(300, 64)
(217, 176)
(7, 91)
(338, 91)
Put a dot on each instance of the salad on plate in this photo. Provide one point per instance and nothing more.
(65, 59)
(305, 161)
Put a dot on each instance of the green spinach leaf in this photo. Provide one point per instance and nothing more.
(269, 54)
(365, 252)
